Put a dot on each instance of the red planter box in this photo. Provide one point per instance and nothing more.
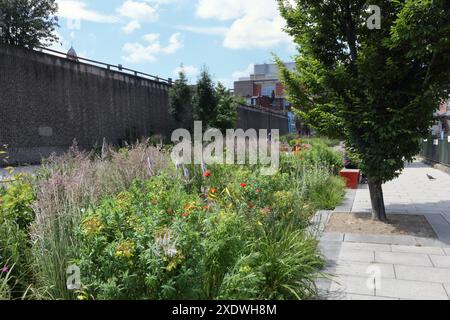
(352, 177)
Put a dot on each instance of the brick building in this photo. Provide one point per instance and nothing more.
(263, 87)
(442, 127)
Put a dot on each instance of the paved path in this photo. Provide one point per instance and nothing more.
(374, 267)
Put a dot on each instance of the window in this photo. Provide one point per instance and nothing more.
(268, 90)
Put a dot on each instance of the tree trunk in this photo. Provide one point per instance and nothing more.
(377, 200)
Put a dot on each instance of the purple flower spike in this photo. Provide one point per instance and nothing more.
(204, 167)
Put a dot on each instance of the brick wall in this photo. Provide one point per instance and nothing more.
(46, 102)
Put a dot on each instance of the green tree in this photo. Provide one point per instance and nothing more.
(376, 88)
(28, 23)
(226, 114)
(205, 100)
(180, 98)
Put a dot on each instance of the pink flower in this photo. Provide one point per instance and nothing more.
(5, 269)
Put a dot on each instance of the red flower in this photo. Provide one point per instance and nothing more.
(243, 185)
(207, 174)
(251, 205)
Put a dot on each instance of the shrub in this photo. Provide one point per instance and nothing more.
(67, 186)
(16, 216)
(322, 155)
(140, 229)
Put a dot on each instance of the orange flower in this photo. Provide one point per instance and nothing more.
(213, 190)
(185, 214)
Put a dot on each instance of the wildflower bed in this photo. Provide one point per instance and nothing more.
(137, 227)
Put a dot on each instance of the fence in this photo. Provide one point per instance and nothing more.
(436, 149)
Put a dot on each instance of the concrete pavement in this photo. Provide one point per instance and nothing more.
(379, 267)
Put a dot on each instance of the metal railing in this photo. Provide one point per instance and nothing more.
(108, 66)
(436, 149)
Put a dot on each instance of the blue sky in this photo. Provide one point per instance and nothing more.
(157, 36)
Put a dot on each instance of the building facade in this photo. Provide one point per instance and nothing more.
(263, 87)
(442, 126)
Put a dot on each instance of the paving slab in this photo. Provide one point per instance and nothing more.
(332, 236)
(351, 285)
(440, 261)
(363, 297)
(366, 246)
(439, 224)
(361, 269)
(413, 290)
(447, 289)
(417, 249)
(381, 239)
(424, 274)
(356, 255)
(409, 267)
(411, 259)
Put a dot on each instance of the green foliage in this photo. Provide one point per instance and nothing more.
(375, 88)
(165, 240)
(205, 100)
(321, 154)
(141, 230)
(16, 215)
(28, 23)
(327, 193)
(226, 116)
(180, 97)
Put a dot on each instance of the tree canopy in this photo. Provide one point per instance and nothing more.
(180, 97)
(226, 114)
(205, 99)
(377, 88)
(28, 23)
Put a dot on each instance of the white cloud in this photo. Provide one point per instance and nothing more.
(243, 73)
(204, 30)
(138, 11)
(175, 43)
(137, 52)
(131, 26)
(256, 32)
(77, 10)
(254, 23)
(189, 71)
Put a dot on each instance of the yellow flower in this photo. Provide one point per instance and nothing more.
(92, 226)
(124, 201)
(175, 262)
(245, 269)
(125, 249)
